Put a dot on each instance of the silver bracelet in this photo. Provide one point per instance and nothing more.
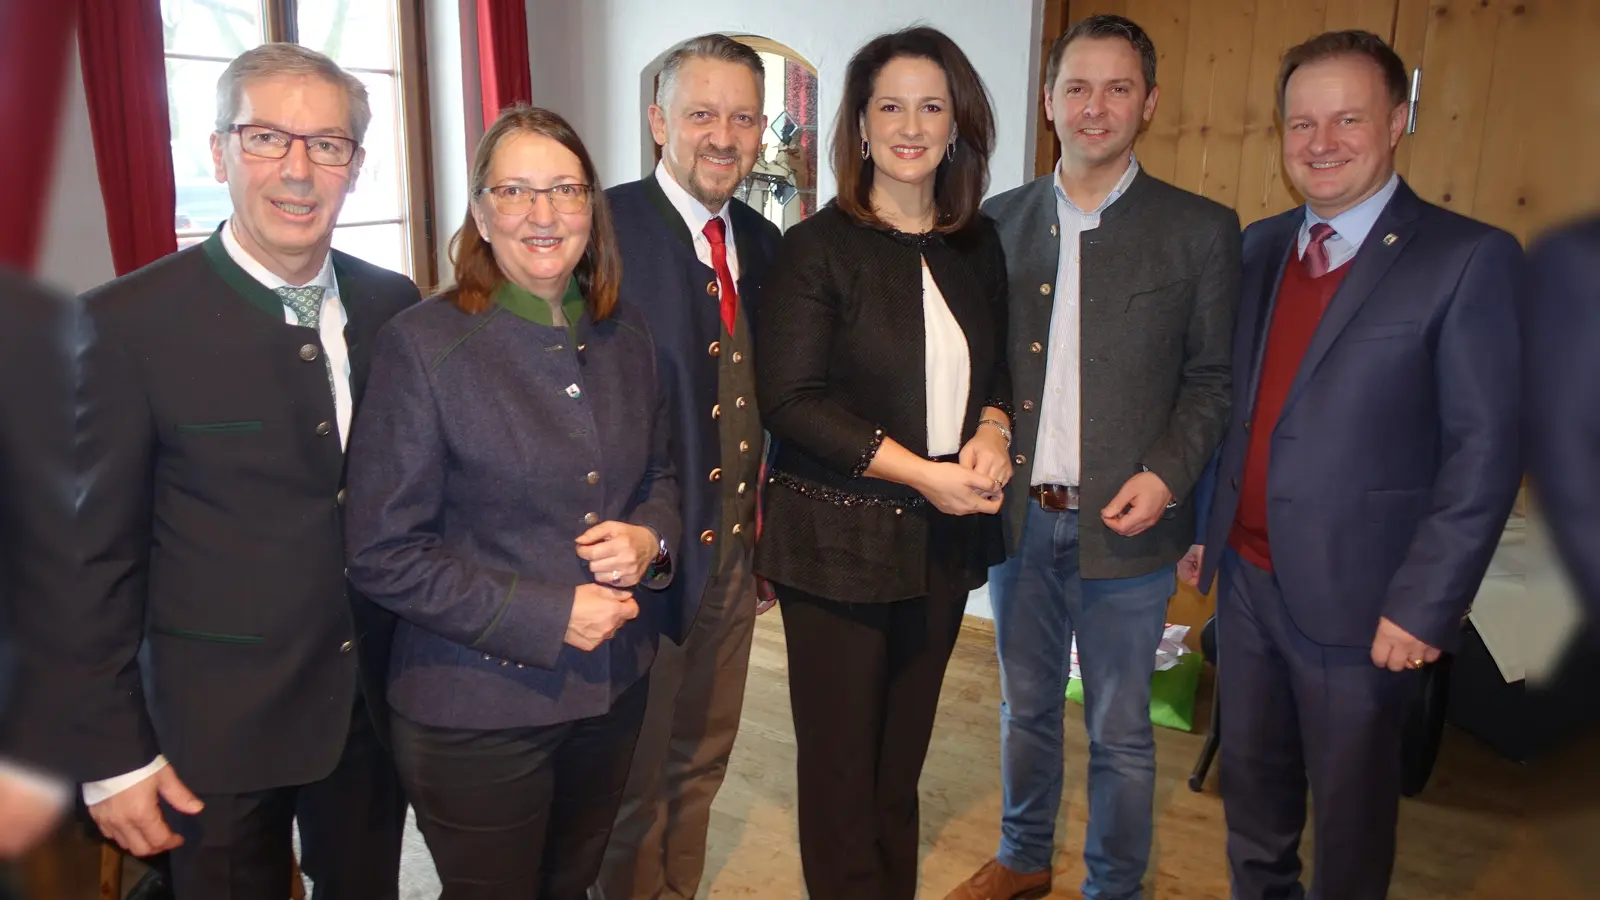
(998, 426)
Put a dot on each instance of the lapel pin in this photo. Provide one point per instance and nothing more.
(1390, 238)
(573, 391)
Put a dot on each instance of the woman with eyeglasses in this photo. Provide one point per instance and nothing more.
(511, 500)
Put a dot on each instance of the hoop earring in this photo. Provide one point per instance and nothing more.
(950, 151)
(866, 149)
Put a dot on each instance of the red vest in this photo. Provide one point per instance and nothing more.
(1301, 302)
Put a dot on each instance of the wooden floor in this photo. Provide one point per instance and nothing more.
(1472, 834)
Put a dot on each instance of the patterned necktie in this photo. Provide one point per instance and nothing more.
(307, 305)
(1315, 258)
(719, 261)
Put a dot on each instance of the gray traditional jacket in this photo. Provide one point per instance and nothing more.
(1160, 284)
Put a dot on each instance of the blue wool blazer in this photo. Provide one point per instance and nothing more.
(486, 445)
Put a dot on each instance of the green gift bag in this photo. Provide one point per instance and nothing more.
(1171, 693)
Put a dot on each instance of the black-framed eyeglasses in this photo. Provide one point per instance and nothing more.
(269, 143)
(517, 199)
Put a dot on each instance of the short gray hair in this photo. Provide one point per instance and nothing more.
(272, 60)
(719, 47)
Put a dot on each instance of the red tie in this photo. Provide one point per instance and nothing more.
(719, 261)
(1315, 258)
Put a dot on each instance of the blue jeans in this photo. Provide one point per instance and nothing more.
(1039, 602)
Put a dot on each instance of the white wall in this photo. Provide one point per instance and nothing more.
(76, 252)
(594, 62)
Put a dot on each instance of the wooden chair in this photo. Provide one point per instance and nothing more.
(112, 858)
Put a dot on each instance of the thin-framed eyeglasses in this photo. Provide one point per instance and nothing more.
(517, 199)
(330, 150)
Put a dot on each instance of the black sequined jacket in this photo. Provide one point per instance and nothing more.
(840, 364)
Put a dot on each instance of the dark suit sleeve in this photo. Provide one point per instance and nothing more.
(1562, 399)
(658, 506)
(1477, 376)
(799, 313)
(36, 551)
(397, 474)
(115, 459)
(1200, 415)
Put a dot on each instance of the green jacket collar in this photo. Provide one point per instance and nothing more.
(259, 295)
(526, 305)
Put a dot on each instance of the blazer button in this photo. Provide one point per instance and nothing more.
(308, 352)
(591, 519)
(339, 497)
(741, 488)
(715, 349)
(1233, 483)
(1021, 460)
(716, 411)
(716, 475)
(1045, 289)
(738, 529)
(739, 403)
(738, 357)
(324, 429)
(707, 537)
(711, 288)
(347, 646)
(744, 446)
(1037, 347)
(1027, 405)
(1055, 230)
(592, 478)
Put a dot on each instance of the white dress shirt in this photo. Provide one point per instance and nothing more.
(331, 330)
(949, 369)
(695, 215)
(1350, 228)
(1058, 455)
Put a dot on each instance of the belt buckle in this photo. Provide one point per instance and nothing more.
(1067, 502)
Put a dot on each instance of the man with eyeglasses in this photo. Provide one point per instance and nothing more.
(693, 260)
(234, 680)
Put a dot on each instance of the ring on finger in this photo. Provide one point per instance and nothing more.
(616, 576)
(1416, 663)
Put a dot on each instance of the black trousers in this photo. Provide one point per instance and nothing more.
(520, 813)
(1295, 714)
(864, 684)
(240, 846)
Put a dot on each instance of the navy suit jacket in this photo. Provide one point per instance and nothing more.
(1562, 394)
(662, 277)
(1396, 459)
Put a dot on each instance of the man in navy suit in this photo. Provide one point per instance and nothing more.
(693, 259)
(1366, 476)
(1562, 411)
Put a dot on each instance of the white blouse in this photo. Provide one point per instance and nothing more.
(949, 369)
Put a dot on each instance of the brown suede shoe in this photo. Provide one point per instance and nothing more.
(996, 882)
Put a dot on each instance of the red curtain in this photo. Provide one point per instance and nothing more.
(503, 67)
(125, 77)
(35, 44)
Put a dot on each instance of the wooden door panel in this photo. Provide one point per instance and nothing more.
(1215, 85)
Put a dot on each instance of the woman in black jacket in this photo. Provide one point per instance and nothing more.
(883, 380)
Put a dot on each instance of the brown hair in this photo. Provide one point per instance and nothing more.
(959, 183)
(1104, 26)
(1331, 44)
(477, 274)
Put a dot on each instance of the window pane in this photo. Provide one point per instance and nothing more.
(218, 28)
(380, 188)
(357, 33)
(381, 245)
(192, 104)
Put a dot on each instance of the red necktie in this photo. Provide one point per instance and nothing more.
(719, 261)
(1315, 258)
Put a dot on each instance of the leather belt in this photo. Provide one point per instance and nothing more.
(1055, 497)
